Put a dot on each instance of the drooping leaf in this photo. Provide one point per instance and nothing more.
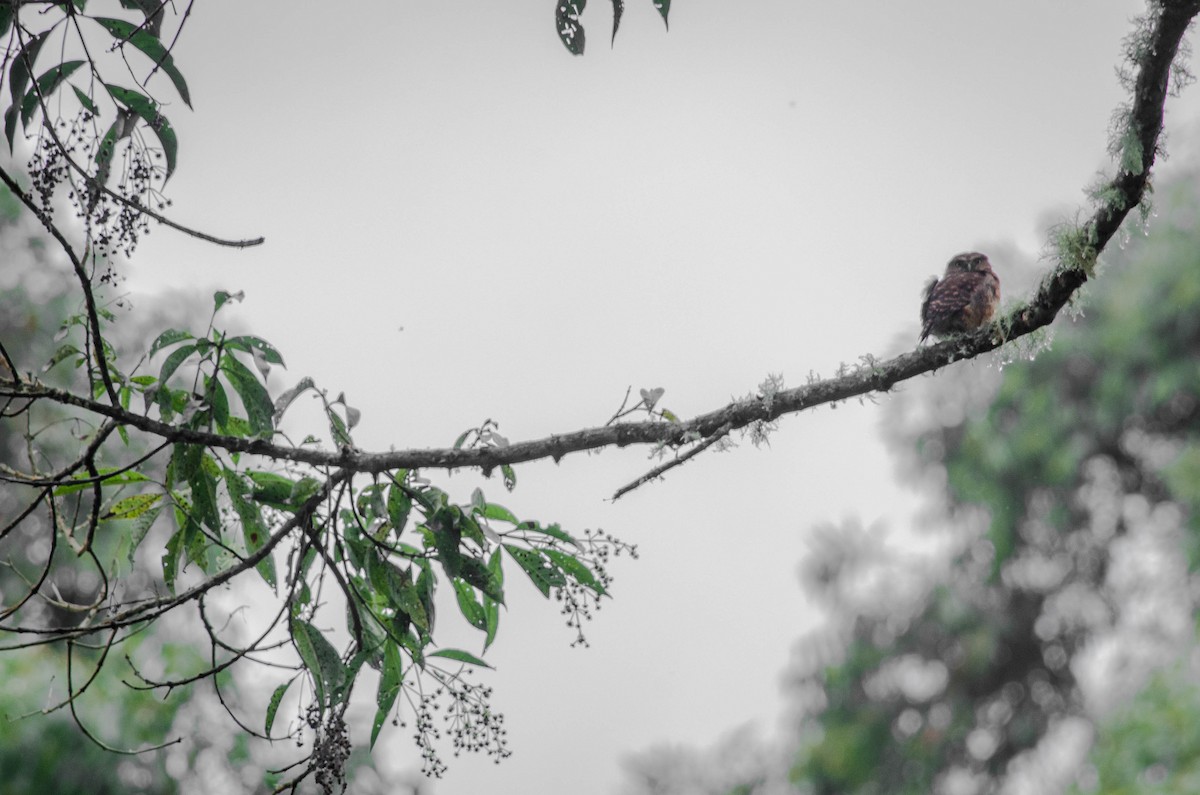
(255, 399)
(618, 10)
(47, 84)
(141, 526)
(460, 656)
(510, 476)
(471, 609)
(389, 687)
(173, 361)
(170, 559)
(147, 110)
(273, 705)
(324, 665)
(85, 100)
(149, 44)
(664, 8)
(105, 151)
(254, 529)
(204, 494)
(491, 608)
(566, 21)
(18, 80)
(399, 505)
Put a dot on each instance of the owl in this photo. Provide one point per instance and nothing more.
(963, 299)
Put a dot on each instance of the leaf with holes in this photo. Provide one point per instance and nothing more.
(541, 572)
(566, 21)
(471, 609)
(47, 84)
(132, 507)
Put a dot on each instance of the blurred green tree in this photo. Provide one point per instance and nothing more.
(1069, 488)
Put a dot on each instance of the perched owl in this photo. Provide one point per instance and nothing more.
(963, 299)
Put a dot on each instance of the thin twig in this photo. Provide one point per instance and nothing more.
(658, 471)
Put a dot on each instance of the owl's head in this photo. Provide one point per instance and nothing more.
(967, 262)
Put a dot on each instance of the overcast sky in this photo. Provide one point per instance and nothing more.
(465, 222)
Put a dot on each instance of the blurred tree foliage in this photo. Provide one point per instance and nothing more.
(1086, 465)
(34, 750)
(1068, 491)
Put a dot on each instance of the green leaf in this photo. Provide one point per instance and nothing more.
(218, 401)
(618, 10)
(510, 476)
(471, 609)
(204, 494)
(576, 569)
(121, 479)
(173, 361)
(141, 527)
(132, 507)
(287, 398)
(566, 21)
(272, 489)
(273, 705)
(664, 8)
(85, 100)
(147, 109)
(399, 505)
(47, 84)
(63, 352)
(255, 399)
(324, 665)
(6, 17)
(170, 559)
(168, 338)
(396, 585)
(554, 531)
(149, 44)
(498, 512)
(18, 80)
(337, 429)
(491, 608)
(105, 151)
(249, 344)
(460, 656)
(541, 572)
(254, 529)
(389, 687)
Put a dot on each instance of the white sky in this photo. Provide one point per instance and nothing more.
(764, 189)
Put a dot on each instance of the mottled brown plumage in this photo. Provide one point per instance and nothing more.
(963, 299)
